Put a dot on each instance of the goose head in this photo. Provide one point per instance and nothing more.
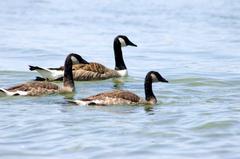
(119, 42)
(68, 82)
(156, 77)
(77, 59)
(152, 77)
(124, 41)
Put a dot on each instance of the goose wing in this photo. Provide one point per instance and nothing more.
(93, 67)
(127, 95)
(117, 97)
(93, 71)
(118, 94)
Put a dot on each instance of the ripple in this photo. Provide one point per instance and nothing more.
(193, 44)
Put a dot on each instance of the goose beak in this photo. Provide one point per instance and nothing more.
(164, 80)
(132, 44)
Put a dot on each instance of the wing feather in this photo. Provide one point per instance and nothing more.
(125, 95)
(92, 71)
(36, 88)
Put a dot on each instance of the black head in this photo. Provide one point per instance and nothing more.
(156, 77)
(77, 59)
(124, 41)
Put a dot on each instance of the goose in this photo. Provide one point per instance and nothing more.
(37, 88)
(122, 97)
(91, 71)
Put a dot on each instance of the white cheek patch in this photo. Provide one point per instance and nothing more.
(122, 41)
(74, 60)
(154, 78)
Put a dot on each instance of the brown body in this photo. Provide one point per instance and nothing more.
(91, 71)
(36, 88)
(115, 97)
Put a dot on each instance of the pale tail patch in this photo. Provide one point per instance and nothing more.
(81, 102)
(122, 73)
(4, 92)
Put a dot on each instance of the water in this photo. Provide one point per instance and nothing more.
(193, 44)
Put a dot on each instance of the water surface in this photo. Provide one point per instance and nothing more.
(193, 44)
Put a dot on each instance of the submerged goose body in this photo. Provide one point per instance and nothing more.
(121, 97)
(91, 71)
(36, 88)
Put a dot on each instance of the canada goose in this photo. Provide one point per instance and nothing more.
(92, 71)
(118, 97)
(36, 88)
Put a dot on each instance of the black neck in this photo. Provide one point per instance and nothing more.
(119, 62)
(148, 89)
(68, 75)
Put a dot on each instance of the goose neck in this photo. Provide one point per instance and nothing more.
(149, 96)
(68, 81)
(119, 62)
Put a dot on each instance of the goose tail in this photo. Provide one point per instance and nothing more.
(85, 102)
(4, 92)
(78, 102)
(33, 68)
(47, 74)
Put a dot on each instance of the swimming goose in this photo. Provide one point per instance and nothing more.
(56, 73)
(92, 71)
(36, 88)
(121, 97)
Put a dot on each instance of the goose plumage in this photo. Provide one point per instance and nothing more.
(122, 97)
(85, 71)
(36, 88)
